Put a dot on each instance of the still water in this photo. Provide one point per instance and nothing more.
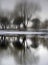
(32, 56)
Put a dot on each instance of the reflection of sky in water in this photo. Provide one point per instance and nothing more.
(32, 57)
(43, 52)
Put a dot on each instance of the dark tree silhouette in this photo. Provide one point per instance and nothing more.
(17, 44)
(4, 44)
(36, 24)
(17, 21)
(45, 26)
(44, 41)
(35, 42)
(4, 22)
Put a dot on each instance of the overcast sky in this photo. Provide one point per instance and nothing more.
(10, 4)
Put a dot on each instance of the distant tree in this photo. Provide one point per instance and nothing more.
(4, 22)
(46, 24)
(36, 24)
(17, 21)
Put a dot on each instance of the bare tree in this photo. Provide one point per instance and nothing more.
(26, 11)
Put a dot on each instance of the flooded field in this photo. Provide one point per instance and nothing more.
(32, 56)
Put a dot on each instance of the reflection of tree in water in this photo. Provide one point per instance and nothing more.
(4, 44)
(27, 58)
(44, 41)
(19, 45)
(3, 54)
(35, 42)
(24, 56)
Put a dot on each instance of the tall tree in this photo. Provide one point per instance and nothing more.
(26, 11)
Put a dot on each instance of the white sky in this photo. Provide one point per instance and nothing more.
(9, 5)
